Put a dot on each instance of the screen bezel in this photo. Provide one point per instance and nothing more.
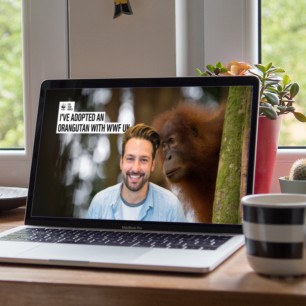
(133, 83)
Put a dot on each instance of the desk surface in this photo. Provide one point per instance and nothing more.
(233, 283)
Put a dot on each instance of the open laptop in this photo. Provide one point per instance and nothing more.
(77, 153)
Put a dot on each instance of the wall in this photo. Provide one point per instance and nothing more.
(138, 45)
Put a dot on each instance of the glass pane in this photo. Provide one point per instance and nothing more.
(11, 75)
(283, 44)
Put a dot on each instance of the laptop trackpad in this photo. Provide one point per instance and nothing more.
(84, 253)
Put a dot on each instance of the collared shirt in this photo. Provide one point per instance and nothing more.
(159, 205)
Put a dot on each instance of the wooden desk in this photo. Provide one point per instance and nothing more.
(233, 283)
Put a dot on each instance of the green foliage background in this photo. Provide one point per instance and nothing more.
(11, 89)
(283, 43)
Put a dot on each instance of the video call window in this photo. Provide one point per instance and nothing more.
(82, 135)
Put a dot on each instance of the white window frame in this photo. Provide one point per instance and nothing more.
(45, 56)
(198, 23)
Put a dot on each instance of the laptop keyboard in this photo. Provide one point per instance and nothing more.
(130, 239)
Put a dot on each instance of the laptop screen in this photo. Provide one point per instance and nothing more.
(95, 165)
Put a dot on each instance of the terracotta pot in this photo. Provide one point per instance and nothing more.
(267, 142)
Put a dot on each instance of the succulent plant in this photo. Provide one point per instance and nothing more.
(298, 170)
(277, 91)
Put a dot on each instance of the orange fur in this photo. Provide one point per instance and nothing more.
(190, 138)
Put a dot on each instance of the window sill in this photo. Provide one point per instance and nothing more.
(285, 157)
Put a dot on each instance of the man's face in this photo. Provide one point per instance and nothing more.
(137, 163)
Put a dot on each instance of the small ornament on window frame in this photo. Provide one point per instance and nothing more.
(122, 7)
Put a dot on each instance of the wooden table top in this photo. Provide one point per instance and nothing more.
(232, 283)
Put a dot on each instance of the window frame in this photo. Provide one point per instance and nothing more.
(46, 55)
(286, 155)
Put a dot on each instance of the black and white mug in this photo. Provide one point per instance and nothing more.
(274, 226)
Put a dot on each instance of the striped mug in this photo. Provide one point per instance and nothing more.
(274, 226)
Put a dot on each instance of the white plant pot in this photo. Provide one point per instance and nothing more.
(292, 186)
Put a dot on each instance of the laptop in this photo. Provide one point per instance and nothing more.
(77, 155)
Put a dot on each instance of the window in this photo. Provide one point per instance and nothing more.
(283, 32)
(11, 87)
(209, 27)
(45, 56)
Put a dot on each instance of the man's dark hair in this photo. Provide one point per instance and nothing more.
(141, 131)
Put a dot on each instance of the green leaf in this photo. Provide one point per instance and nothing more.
(272, 98)
(271, 83)
(269, 112)
(199, 72)
(275, 79)
(294, 90)
(279, 88)
(279, 70)
(299, 116)
(211, 68)
(281, 107)
(290, 108)
(272, 88)
(219, 65)
(261, 68)
(286, 79)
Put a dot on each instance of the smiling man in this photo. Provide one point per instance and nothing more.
(136, 198)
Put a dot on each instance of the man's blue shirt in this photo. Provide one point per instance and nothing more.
(159, 205)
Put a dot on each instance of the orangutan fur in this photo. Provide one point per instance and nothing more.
(190, 145)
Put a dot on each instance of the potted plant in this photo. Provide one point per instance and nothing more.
(276, 97)
(277, 93)
(295, 182)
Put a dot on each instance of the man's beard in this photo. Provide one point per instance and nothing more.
(139, 180)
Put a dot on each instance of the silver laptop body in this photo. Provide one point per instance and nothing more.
(76, 155)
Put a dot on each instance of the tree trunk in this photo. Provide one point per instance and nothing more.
(232, 171)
